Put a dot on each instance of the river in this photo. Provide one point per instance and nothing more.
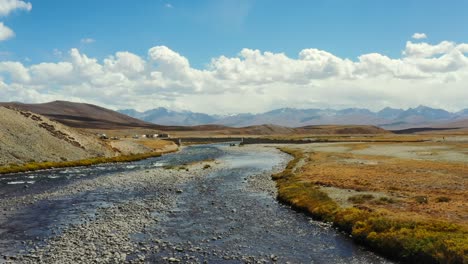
(226, 214)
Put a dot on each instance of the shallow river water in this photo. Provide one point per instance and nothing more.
(220, 215)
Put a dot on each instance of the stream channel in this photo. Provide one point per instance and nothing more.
(227, 215)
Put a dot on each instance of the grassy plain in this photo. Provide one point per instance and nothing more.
(406, 200)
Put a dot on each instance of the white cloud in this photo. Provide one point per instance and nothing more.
(8, 6)
(45, 73)
(16, 70)
(87, 40)
(419, 36)
(126, 63)
(254, 81)
(425, 50)
(5, 32)
(168, 5)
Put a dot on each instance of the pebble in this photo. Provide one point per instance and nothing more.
(106, 235)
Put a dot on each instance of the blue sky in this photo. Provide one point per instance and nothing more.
(233, 56)
(201, 30)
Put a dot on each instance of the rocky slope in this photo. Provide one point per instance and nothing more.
(27, 137)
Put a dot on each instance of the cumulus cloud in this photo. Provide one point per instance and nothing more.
(126, 63)
(8, 6)
(17, 72)
(425, 50)
(419, 36)
(252, 81)
(87, 40)
(5, 32)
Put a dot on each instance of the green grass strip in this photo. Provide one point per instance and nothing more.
(34, 166)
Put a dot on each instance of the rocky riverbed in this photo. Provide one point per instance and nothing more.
(222, 210)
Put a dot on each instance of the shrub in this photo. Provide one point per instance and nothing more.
(443, 199)
(385, 200)
(360, 198)
(421, 199)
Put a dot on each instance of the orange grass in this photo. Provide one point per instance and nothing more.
(401, 178)
(406, 233)
(155, 144)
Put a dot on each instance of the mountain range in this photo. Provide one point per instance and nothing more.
(95, 118)
(388, 118)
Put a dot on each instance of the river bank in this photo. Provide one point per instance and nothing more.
(127, 156)
(104, 236)
(190, 212)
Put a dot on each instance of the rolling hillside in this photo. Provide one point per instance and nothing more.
(28, 137)
(82, 115)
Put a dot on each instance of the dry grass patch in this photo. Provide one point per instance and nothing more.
(404, 179)
(156, 144)
(404, 228)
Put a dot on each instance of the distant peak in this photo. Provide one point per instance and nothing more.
(282, 110)
(391, 109)
(421, 107)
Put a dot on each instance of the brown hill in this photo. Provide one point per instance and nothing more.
(455, 124)
(82, 115)
(265, 130)
(341, 130)
(89, 116)
(453, 127)
(27, 137)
